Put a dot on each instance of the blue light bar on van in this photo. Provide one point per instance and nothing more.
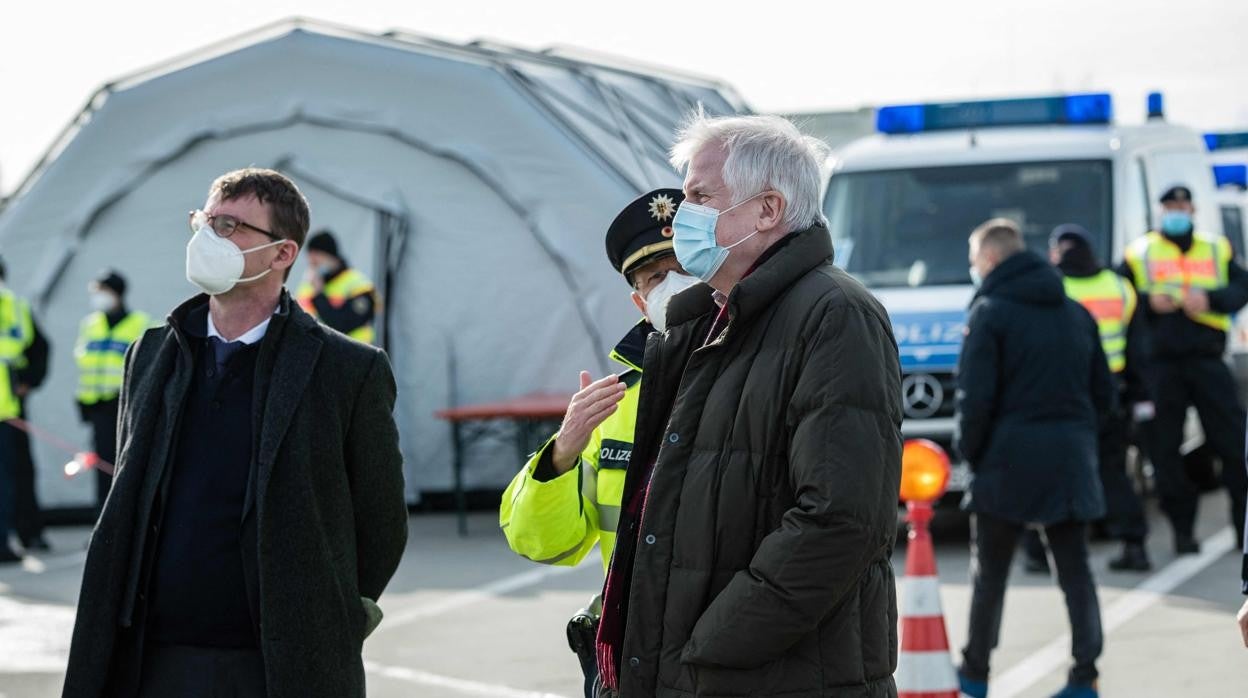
(1156, 105)
(1070, 109)
(1225, 141)
(1231, 175)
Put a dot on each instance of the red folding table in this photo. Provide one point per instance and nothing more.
(514, 418)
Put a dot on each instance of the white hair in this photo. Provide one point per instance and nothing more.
(763, 152)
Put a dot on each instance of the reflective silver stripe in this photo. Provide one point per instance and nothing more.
(1126, 299)
(1148, 270)
(560, 557)
(1217, 263)
(608, 518)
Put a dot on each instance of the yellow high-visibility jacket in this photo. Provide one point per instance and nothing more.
(348, 286)
(1111, 301)
(17, 333)
(101, 354)
(557, 522)
(1159, 266)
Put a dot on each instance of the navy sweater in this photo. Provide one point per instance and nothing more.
(198, 592)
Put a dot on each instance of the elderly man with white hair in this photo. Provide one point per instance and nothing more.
(760, 504)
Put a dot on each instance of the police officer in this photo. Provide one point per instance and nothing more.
(567, 497)
(335, 293)
(1113, 303)
(103, 338)
(1189, 286)
(24, 355)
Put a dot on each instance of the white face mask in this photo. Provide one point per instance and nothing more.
(103, 301)
(215, 264)
(661, 295)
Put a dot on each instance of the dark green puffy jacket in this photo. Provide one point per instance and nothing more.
(761, 561)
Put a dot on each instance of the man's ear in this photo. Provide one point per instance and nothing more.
(287, 253)
(772, 214)
(640, 303)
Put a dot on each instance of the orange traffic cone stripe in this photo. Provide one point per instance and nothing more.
(924, 667)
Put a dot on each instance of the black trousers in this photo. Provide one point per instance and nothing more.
(992, 550)
(201, 672)
(103, 419)
(1124, 513)
(8, 484)
(27, 519)
(1206, 384)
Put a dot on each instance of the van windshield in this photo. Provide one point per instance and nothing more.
(908, 228)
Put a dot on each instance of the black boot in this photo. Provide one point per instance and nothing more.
(1133, 558)
(1185, 544)
(38, 545)
(7, 555)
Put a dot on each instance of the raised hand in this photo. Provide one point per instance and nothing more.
(589, 408)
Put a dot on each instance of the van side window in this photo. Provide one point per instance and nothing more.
(1136, 211)
(1233, 228)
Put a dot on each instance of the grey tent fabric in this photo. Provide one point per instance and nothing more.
(474, 183)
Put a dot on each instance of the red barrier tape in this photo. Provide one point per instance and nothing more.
(82, 461)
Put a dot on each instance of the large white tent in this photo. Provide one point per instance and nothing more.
(473, 182)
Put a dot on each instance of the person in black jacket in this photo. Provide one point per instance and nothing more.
(1112, 302)
(1189, 287)
(1242, 617)
(26, 375)
(1032, 379)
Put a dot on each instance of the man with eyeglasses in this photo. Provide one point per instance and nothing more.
(257, 508)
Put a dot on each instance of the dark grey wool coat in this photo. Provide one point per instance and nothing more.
(762, 556)
(325, 521)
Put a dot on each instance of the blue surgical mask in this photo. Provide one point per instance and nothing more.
(977, 279)
(694, 238)
(1176, 223)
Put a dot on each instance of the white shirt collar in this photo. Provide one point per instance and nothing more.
(251, 336)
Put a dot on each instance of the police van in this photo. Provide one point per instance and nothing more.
(902, 202)
(1232, 198)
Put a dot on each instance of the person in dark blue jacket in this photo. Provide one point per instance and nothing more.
(1032, 384)
(1242, 617)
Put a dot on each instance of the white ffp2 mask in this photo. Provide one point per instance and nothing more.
(215, 264)
(661, 295)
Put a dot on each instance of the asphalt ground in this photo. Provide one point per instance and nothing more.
(466, 617)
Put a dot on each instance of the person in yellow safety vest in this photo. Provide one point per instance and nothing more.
(1189, 286)
(24, 355)
(1112, 302)
(567, 497)
(335, 293)
(104, 336)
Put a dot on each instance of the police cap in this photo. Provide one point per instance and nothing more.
(1070, 231)
(642, 232)
(113, 281)
(1178, 194)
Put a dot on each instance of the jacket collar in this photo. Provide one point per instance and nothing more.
(779, 267)
(803, 251)
(631, 350)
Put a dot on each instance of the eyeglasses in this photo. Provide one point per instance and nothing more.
(224, 226)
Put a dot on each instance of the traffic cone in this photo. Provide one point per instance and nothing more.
(924, 667)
